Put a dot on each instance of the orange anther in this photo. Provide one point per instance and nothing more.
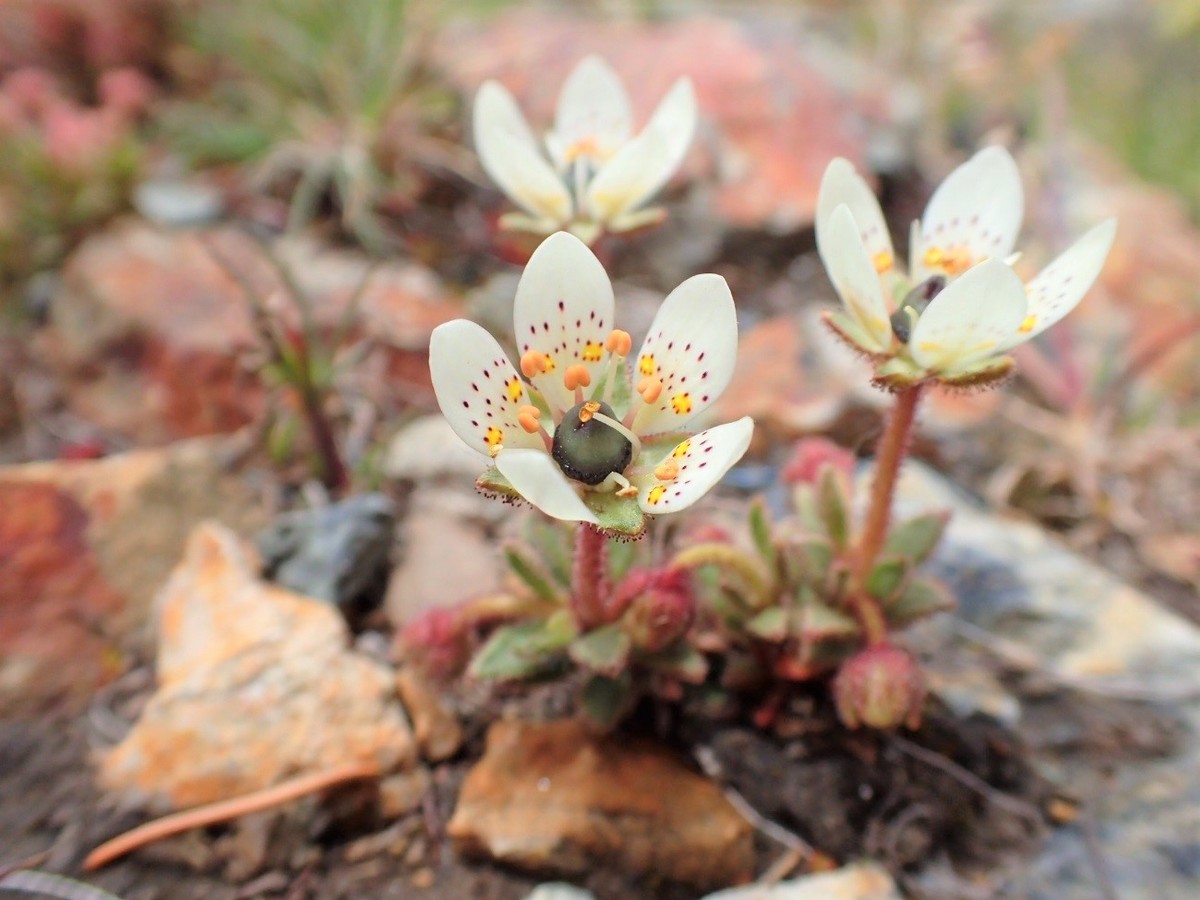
(527, 418)
(588, 410)
(650, 388)
(576, 376)
(533, 363)
(667, 470)
(618, 342)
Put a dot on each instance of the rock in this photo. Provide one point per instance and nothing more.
(559, 890)
(551, 797)
(1114, 655)
(255, 685)
(861, 881)
(84, 545)
(337, 553)
(770, 120)
(439, 733)
(403, 792)
(151, 333)
(178, 203)
(446, 558)
(427, 449)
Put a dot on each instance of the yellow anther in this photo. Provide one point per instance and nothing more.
(514, 388)
(1027, 325)
(534, 362)
(656, 494)
(650, 388)
(588, 410)
(576, 376)
(682, 403)
(618, 342)
(681, 449)
(667, 470)
(646, 364)
(883, 261)
(592, 352)
(527, 418)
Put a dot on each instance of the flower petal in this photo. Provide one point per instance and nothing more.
(477, 387)
(972, 319)
(691, 348)
(563, 309)
(841, 184)
(700, 462)
(642, 166)
(1060, 286)
(973, 215)
(855, 278)
(509, 154)
(538, 479)
(593, 117)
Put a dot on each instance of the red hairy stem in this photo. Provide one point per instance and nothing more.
(589, 576)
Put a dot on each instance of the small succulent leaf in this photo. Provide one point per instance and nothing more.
(532, 575)
(681, 660)
(616, 515)
(554, 543)
(760, 531)
(771, 624)
(808, 561)
(833, 506)
(886, 578)
(921, 597)
(603, 650)
(523, 650)
(621, 556)
(606, 700)
(916, 538)
(820, 622)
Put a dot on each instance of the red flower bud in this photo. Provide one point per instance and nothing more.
(658, 606)
(438, 640)
(810, 456)
(880, 687)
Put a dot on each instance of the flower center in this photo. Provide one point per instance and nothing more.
(913, 304)
(587, 449)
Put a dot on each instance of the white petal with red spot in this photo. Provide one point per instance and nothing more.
(840, 185)
(642, 166)
(691, 348)
(477, 387)
(973, 318)
(698, 463)
(973, 215)
(855, 278)
(538, 479)
(510, 155)
(1060, 286)
(593, 117)
(564, 310)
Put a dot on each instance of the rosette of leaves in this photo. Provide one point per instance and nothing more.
(635, 644)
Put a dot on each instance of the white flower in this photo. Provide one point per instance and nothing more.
(596, 176)
(572, 436)
(960, 307)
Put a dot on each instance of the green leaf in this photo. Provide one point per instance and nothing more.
(605, 700)
(807, 561)
(915, 538)
(616, 515)
(833, 506)
(621, 556)
(771, 624)
(921, 597)
(681, 660)
(760, 530)
(523, 650)
(886, 578)
(530, 573)
(554, 543)
(818, 622)
(604, 650)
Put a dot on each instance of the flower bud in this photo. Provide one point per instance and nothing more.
(880, 687)
(659, 606)
(810, 456)
(438, 639)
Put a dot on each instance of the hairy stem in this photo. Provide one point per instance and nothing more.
(893, 447)
(745, 569)
(589, 577)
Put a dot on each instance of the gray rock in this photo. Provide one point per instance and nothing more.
(1046, 611)
(178, 203)
(559, 890)
(337, 553)
(860, 881)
